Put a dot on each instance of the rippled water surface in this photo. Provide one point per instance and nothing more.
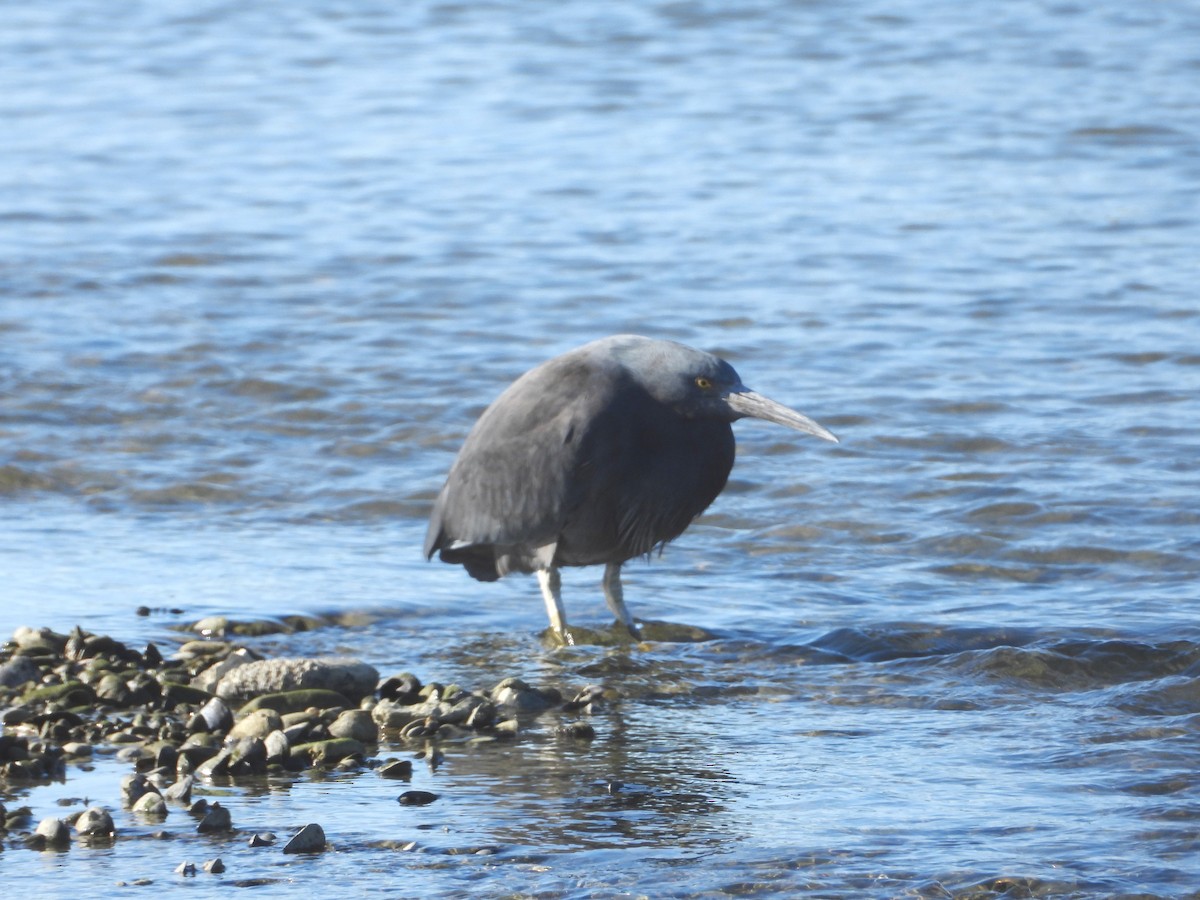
(261, 266)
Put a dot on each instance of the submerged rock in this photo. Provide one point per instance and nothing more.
(54, 833)
(95, 822)
(309, 839)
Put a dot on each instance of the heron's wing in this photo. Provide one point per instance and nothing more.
(512, 484)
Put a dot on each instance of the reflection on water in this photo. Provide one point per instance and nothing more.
(261, 268)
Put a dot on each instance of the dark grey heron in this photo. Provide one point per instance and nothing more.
(596, 456)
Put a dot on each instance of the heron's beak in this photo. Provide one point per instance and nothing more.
(755, 405)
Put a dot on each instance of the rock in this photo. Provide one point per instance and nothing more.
(349, 677)
(404, 688)
(216, 765)
(54, 833)
(356, 724)
(296, 701)
(262, 839)
(133, 787)
(579, 731)
(326, 753)
(396, 768)
(416, 798)
(186, 869)
(181, 790)
(77, 749)
(248, 757)
(216, 819)
(214, 866)
(214, 717)
(512, 695)
(278, 747)
(208, 679)
(18, 671)
(95, 822)
(151, 805)
(256, 724)
(309, 839)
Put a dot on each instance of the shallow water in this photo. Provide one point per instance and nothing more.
(261, 267)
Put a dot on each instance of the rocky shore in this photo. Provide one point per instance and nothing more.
(215, 712)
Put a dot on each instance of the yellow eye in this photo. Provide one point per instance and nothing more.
(703, 383)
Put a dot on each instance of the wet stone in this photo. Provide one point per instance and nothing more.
(18, 671)
(355, 724)
(216, 819)
(309, 839)
(349, 677)
(186, 869)
(181, 790)
(213, 717)
(396, 768)
(403, 689)
(256, 724)
(416, 798)
(277, 747)
(214, 866)
(95, 821)
(297, 701)
(262, 839)
(329, 752)
(151, 805)
(54, 833)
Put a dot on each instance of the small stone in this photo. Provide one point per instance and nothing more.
(94, 822)
(213, 717)
(54, 832)
(286, 702)
(309, 839)
(404, 688)
(152, 805)
(132, 788)
(77, 749)
(216, 819)
(181, 790)
(19, 671)
(356, 724)
(397, 768)
(579, 731)
(186, 869)
(331, 752)
(416, 798)
(262, 839)
(214, 866)
(278, 747)
(257, 724)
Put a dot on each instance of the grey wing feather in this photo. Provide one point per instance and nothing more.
(512, 483)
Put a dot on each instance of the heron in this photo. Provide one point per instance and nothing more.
(597, 456)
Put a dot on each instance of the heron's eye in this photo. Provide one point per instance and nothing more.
(703, 383)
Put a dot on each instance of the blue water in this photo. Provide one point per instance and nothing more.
(261, 266)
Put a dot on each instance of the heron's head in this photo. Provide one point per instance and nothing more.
(699, 385)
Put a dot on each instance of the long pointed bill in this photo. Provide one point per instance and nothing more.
(755, 405)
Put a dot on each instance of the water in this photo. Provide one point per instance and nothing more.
(262, 265)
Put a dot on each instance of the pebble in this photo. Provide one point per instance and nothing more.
(54, 832)
(181, 790)
(19, 671)
(396, 768)
(95, 822)
(256, 724)
(186, 869)
(262, 839)
(217, 818)
(152, 805)
(357, 725)
(309, 839)
(416, 798)
(214, 866)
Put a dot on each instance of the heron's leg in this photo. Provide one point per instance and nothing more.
(614, 596)
(551, 584)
